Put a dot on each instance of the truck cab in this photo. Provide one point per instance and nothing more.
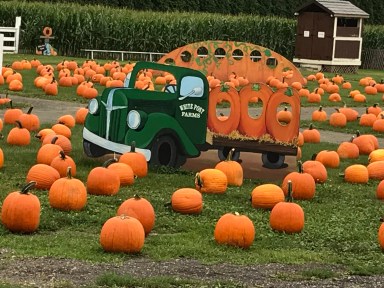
(166, 125)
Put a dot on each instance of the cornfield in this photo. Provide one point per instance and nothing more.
(77, 27)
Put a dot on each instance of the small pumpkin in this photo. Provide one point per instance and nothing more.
(141, 209)
(68, 193)
(20, 211)
(187, 201)
(287, 216)
(44, 176)
(124, 171)
(316, 169)
(356, 173)
(122, 234)
(211, 181)
(304, 186)
(266, 196)
(68, 120)
(338, 119)
(348, 150)
(311, 135)
(61, 163)
(48, 152)
(319, 115)
(19, 135)
(234, 230)
(232, 169)
(381, 235)
(376, 170)
(329, 158)
(367, 119)
(136, 161)
(29, 120)
(103, 181)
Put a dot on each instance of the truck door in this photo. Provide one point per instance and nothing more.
(192, 109)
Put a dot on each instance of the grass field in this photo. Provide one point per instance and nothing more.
(341, 221)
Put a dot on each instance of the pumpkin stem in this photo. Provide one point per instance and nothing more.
(230, 154)
(357, 133)
(198, 180)
(237, 213)
(69, 172)
(18, 123)
(137, 197)
(314, 156)
(62, 155)
(133, 146)
(310, 126)
(289, 193)
(320, 108)
(300, 166)
(109, 162)
(27, 187)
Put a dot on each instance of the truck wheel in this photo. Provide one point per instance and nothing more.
(164, 152)
(273, 160)
(92, 150)
(223, 153)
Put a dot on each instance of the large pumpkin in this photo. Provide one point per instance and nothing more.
(287, 216)
(234, 230)
(211, 181)
(266, 196)
(187, 201)
(68, 193)
(232, 169)
(44, 176)
(136, 161)
(20, 211)
(103, 181)
(122, 234)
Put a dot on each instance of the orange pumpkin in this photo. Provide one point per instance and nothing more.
(266, 196)
(211, 181)
(136, 161)
(232, 169)
(187, 201)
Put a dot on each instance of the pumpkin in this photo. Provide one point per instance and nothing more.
(122, 234)
(61, 129)
(1, 158)
(253, 126)
(350, 113)
(68, 120)
(356, 173)
(316, 169)
(61, 140)
(319, 115)
(367, 119)
(303, 184)
(266, 196)
(374, 109)
(217, 95)
(15, 85)
(287, 216)
(376, 155)
(381, 235)
(80, 115)
(29, 120)
(44, 132)
(376, 170)
(61, 163)
(48, 152)
(103, 181)
(136, 161)
(334, 97)
(20, 211)
(11, 114)
(124, 171)
(366, 143)
(300, 139)
(284, 116)
(329, 158)
(44, 176)
(141, 209)
(378, 125)
(232, 169)
(187, 201)
(67, 193)
(211, 181)
(338, 119)
(380, 190)
(348, 150)
(311, 135)
(234, 230)
(19, 135)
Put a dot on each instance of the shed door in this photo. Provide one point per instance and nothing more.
(314, 37)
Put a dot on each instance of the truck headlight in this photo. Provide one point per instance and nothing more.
(93, 106)
(136, 119)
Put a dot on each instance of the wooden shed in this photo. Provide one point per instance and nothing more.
(329, 36)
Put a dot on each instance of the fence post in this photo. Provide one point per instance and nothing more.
(1, 51)
(17, 33)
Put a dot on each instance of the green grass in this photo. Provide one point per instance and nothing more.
(340, 228)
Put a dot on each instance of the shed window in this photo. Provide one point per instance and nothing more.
(347, 22)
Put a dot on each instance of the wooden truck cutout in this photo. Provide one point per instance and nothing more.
(180, 121)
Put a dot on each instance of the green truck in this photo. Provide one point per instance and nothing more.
(167, 126)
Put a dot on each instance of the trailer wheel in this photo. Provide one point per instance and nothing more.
(92, 150)
(164, 152)
(273, 160)
(223, 153)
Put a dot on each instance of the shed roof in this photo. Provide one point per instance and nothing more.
(337, 8)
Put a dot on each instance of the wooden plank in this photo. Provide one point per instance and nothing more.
(254, 145)
(1, 51)
(8, 29)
